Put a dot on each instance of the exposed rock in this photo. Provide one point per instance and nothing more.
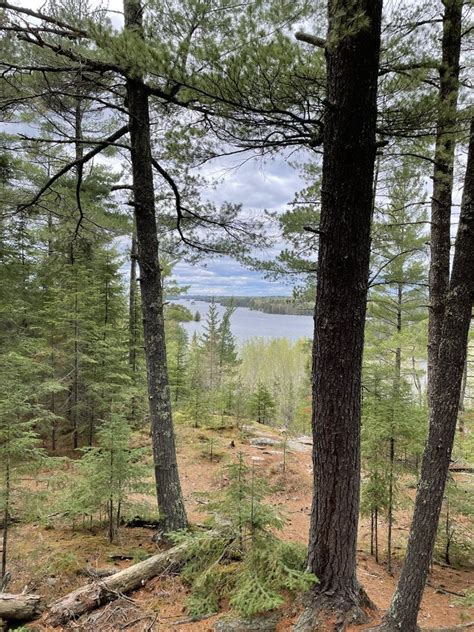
(263, 441)
(301, 444)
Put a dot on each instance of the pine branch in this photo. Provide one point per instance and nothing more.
(75, 163)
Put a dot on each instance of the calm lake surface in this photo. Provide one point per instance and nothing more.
(247, 323)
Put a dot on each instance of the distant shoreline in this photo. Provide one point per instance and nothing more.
(265, 304)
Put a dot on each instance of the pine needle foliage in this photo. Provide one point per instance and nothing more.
(239, 557)
(107, 476)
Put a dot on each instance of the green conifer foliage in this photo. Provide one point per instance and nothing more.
(198, 406)
(177, 354)
(20, 413)
(107, 475)
(454, 543)
(240, 557)
(261, 404)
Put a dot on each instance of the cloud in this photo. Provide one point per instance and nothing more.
(256, 184)
(227, 277)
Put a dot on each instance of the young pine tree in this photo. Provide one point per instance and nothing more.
(240, 557)
(107, 475)
(261, 404)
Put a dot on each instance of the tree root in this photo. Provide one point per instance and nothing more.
(334, 612)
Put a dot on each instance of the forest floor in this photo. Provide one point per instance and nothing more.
(50, 559)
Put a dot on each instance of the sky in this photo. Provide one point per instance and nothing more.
(258, 186)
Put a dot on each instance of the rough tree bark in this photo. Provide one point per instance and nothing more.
(446, 388)
(440, 240)
(343, 266)
(19, 607)
(132, 308)
(168, 487)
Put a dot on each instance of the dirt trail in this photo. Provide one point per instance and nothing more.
(160, 604)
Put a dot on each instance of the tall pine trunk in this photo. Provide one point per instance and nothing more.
(168, 487)
(132, 308)
(343, 266)
(133, 322)
(446, 388)
(440, 240)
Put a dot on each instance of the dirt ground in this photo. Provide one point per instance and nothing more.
(52, 560)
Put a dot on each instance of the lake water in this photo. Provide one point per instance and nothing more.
(247, 323)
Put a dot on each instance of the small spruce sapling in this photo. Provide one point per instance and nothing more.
(107, 475)
(261, 404)
(240, 557)
(454, 539)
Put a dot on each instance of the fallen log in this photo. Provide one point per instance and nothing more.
(462, 468)
(99, 592)
(20, 607)
(141, 522)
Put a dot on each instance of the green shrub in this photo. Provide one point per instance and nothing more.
(239, 556)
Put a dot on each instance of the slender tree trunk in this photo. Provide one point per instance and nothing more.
(168, 487)
(446, 387)
(79, 152)
(371, 532)
(53, 342)
(440, 241)
(396, 397)
(75, 377)
(376, 535)
(53, 397)
(390, 505)
(448, 535)
(6, 517)
(343, 266)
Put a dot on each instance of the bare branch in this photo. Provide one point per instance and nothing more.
(314, 40)
(42, 16)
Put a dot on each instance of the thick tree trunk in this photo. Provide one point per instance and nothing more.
(19, 607)
(463, 394)
(133, 321)
(132, 307)
(168, 487)
(446, 387)
(94, 595)
(343, 266)
(440, 241)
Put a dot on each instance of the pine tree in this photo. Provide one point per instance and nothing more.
(198, 405)
(394, 316)
(261, 404)
(108, 474)
(240, 558)
(177, 352)
(211, 345)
